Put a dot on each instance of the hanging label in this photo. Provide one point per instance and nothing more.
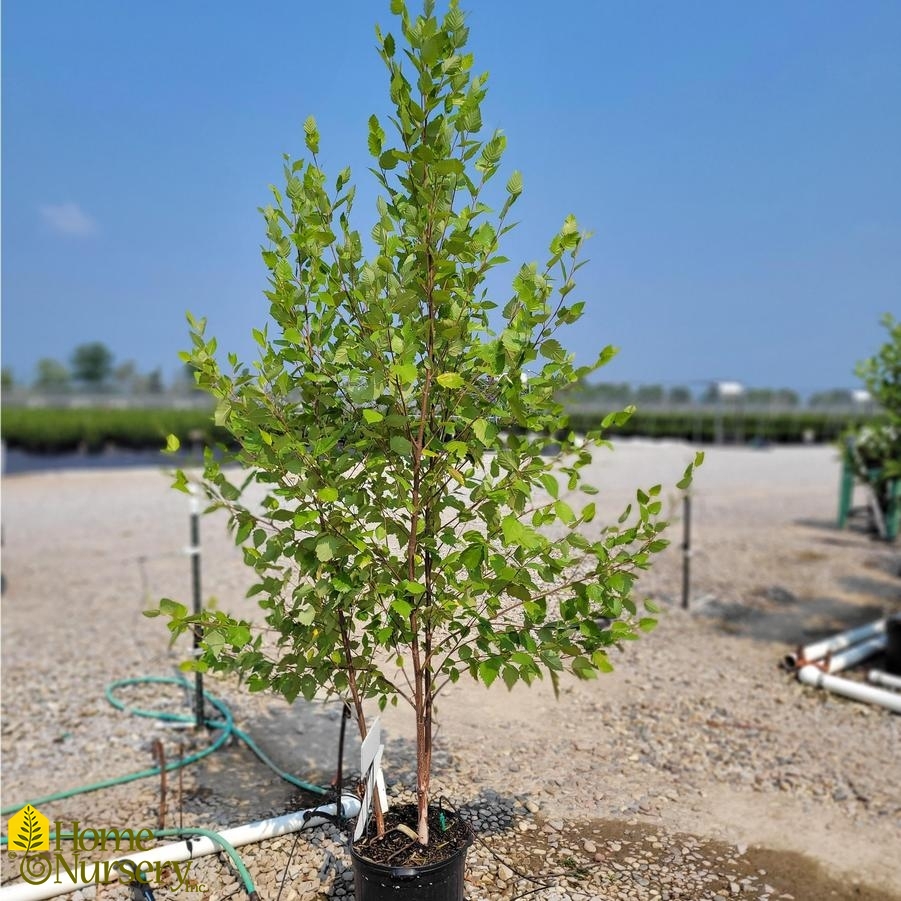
(371, 768)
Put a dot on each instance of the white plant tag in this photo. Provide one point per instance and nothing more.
(370, 746)
(371, 768)
(380, 779)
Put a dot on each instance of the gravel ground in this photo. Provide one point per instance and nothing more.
(697, 770)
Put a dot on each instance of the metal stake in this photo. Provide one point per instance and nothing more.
(686, 551)
(339, 775)
(198, 629)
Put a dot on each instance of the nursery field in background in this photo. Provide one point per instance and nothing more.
(54, 430)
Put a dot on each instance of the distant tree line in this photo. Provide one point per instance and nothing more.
(93, 369)
(611, 395)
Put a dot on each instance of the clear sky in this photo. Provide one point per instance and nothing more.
(739, 164)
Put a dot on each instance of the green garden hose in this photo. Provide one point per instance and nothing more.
(227, 729)
(226, 726)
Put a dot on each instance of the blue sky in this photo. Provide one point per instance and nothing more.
(738, 164)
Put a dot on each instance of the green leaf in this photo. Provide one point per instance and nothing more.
(223, 408)
(550, 484)
(564, 512)
(388, 160)
(326, 547)
(404, 608)
(520, 592)
(450, 380)
(327, 494)
(168, 607)
(583, 668)
(376, 137)
(517, 533)
(472, 556)
(483, 430)
(239, 635)
(214, 641)
(311, 134)
(488, 672)
(553, 350)
(401, 445)
(244, 530)
(290, 687)
(406, 372)
(448, 167)
(415, 588)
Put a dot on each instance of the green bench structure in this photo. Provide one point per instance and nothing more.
(884, 499)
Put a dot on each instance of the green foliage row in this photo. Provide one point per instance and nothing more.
(43, 430)
(46, 430)
(703, 426)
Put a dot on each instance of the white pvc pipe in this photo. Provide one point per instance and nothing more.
(878, 677)
(820, 649)
(184, 850)
(857, 691)
(856, 653)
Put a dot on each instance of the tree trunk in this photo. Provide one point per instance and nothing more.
(423, 752)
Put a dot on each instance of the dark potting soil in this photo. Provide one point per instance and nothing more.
(448, 833)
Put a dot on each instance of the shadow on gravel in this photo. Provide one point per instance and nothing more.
(887, 589)
(858, 527)
(825, 525)
(887, 562)
(775, 615)
(859, 524)
(301, 739)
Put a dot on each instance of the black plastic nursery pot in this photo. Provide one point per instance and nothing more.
(439, 881)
